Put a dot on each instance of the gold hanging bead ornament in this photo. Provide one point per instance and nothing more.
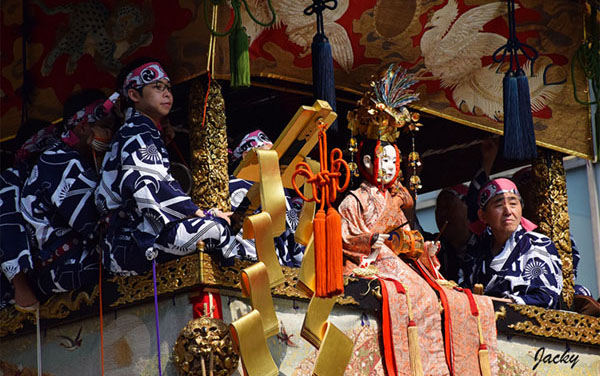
(414, 159)
(415, 182)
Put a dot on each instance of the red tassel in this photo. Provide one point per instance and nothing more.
(335, 278)
(320, 241)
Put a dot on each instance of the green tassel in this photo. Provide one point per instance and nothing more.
(239, 57)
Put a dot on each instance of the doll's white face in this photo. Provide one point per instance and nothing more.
(387, 163)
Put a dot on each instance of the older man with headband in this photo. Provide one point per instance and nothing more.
(513, 261)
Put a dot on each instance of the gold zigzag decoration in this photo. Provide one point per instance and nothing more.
(558, 324)
(57, 307)
(258, 226)
(255, 285)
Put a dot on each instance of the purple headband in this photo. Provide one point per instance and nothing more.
(252, 140)
(144, 75)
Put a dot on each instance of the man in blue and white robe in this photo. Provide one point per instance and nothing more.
(510, 259)
(57, 199)
(57, 202)
(527, 270)
(148, 214)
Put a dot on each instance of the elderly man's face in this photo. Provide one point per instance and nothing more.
(502, 213)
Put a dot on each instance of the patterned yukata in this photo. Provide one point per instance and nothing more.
(57, 202)
(528, 270)
(288, 251)
(15, 255)
(14, 241)
(148, 213)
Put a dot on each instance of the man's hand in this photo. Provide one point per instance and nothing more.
(215, 213)
(99, 138)
(489, 150)
(168, 133)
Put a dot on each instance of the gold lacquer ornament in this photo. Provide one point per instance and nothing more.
(204, 346)
(208, 147)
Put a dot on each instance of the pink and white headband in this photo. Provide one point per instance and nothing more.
(91, 113)
(253, 140)
(494, 188)
(144, 75)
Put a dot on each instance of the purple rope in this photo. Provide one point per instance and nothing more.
(156, 315)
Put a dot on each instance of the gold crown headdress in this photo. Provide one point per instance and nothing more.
(382, 113)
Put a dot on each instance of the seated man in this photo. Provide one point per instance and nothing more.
(57, 200)
(288, 251)
(454, 235)
(512, 261)
(148, 214)
(15, 246)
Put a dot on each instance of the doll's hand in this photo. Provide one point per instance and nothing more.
(432, 247)
(381, 238)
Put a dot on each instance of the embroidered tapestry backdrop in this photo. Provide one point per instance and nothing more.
(449, 43)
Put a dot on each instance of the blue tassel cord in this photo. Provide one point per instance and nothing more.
(519, 135)
(322, 59)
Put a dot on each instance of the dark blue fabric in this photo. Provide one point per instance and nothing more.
(148, 212)
(528, 269)
(57, 200)
(15, 253)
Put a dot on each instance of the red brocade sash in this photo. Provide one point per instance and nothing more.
(448, 347)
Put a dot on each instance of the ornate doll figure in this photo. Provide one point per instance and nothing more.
(375, 231)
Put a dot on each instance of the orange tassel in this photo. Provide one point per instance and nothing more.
(320, 241)
(335, 278)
